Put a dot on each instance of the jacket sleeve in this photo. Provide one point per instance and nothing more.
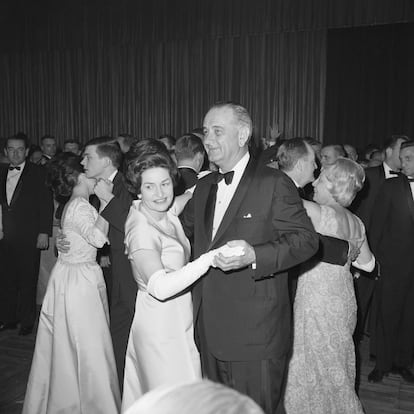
(295, 239)
(116, 211)
(45, 204)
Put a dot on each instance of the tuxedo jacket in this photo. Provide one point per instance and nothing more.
(246, 314)
(365, 200)
(30, 211)
(187, 179)
(392, 239)
(116, 212)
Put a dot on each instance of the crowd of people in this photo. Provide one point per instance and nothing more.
(197, 258)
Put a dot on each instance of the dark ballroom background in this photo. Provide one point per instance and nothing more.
(333, 69)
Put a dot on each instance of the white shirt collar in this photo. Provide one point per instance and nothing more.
(20, 165)
(112, 176)
(240, 167)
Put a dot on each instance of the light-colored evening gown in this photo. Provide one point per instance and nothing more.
(161, 348)
(73, 368)
(321, 376)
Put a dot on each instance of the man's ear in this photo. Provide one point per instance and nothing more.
(199, 160)
(388, 152)
(244, 134)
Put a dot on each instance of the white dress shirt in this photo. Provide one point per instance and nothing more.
(13, 177)
(387, 170)
(225, 193)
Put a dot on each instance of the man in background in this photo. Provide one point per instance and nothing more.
(27, 209)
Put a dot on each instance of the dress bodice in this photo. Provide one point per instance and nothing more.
(144, 232)
(342, 225)
(78, 225)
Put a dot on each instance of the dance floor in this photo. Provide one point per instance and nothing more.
(393, 396)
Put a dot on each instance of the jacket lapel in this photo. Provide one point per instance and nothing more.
(409, 196)
(3, 179)
(19, 185)
(237, 199)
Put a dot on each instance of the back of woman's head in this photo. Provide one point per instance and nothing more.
(145, 154)
(62, 174)
(201, 397)
(346, 178)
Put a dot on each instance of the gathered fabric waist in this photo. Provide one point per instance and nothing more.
(77, 263)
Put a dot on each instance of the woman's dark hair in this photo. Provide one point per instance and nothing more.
(145, 154)
(62, 174)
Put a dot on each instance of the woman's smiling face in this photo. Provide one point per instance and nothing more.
(157, 190)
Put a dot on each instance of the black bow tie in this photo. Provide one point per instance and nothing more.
(228, 177)
(14, 168)
(394, 172)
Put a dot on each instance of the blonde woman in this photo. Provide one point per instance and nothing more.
(321, 376)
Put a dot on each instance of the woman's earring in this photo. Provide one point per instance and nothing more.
(139, 197)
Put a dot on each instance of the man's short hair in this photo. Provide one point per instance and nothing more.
(407, 144)
(339, 149)
(290, 152)
(188, 146)
(240, 112)
(392, 141)
(47, 136)
(107, 147)
(21, 136)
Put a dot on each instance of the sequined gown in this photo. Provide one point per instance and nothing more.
(321, 376)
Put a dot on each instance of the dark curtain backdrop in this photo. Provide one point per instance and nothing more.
(370, 84)
(83, 68)
(165, 87)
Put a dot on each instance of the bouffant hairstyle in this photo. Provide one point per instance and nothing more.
(346, 178)
(62, 174)
(143, 155)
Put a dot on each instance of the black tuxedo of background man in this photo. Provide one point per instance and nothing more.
(243, 317)
(392, 242)
(124, 287)
(363, 206)
(29, 213)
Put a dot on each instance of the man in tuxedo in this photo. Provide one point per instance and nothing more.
(102, 159)
(27, 208)
(190, 154)
(48, 146)
(242, 307)
(363, 206)
(297, 159)
(392, 243)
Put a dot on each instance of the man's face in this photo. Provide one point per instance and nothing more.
(16, 151)
(407, 161)
(93, 164)
(49, 147)
(224, 138)
(71, 147)
(308, 166)
(328, 156)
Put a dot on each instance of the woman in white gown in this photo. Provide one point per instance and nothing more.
(73, 368)
(161, 348)
(321, 376)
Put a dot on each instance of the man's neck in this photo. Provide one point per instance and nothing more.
(230, 166)
(107, 173)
